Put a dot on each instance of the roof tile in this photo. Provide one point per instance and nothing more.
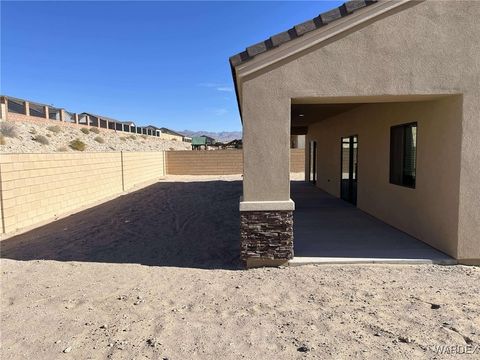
(305, 27)
(331, 15)
(257, 48)
(353, 5)
(299, 30)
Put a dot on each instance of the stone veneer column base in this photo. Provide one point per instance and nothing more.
(266, 237)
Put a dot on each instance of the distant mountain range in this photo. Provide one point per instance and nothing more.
(222, 136)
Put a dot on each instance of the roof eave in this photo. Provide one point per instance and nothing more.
(310, 39)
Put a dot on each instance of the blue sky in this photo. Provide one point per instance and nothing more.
(161, 63)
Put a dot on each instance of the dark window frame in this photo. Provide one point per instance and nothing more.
(397, 171)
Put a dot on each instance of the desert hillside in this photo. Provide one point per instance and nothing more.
(25, 137)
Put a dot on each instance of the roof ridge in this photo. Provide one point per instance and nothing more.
(298, 30)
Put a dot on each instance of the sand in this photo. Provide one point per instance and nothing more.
(155, 274)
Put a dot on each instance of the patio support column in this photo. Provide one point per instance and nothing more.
(266, 210)
(46, 111)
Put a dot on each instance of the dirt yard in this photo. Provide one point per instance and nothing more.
(155, 275)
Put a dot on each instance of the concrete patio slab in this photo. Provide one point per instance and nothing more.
(329, 230)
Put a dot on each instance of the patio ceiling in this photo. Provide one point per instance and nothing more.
(305, 114)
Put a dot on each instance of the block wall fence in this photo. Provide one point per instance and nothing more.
(219, 162)
(37, 188)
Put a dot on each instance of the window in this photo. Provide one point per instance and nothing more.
(403, 154)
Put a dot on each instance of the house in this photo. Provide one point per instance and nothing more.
(168, 134)
(209, 140)
(90, 119)
(203, 140)
(198, 142)
(153, 130)
(387, 94)
(234, 144)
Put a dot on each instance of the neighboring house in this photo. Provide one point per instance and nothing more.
(209, 140)
(105, 122)
(392, 84)
(202, 141)
(198, 142)
(234, 144)
(153, 130)
(15, 109)
(170, 135)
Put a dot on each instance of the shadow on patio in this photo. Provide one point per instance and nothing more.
(327, 227)
(183, 224)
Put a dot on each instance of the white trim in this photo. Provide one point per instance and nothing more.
(287, 205)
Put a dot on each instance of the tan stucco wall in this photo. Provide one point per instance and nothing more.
(430, 211)
(430, 48)
(36, 188)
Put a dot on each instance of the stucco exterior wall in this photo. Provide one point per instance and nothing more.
(429, 48)
(430, 211)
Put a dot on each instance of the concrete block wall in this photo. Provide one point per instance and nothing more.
(215, 162)
(297, 160)
(219, 162)
(141, 167)
(38, 187)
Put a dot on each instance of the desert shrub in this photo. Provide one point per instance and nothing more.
(144, 136)
(8, 129)
(95, 130)
(77, 145)
(54, 128)
(2, 140)
(123, 138)
(41, 139)
(99, 139)
(62, 149)
(85, 130)
(133, 137)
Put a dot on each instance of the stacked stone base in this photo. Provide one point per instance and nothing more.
(266, 237)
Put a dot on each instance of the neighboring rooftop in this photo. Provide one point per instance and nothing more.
(108, 118)
(169, 131)
(298, 30)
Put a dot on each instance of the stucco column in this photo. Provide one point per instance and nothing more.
(3, 109)
(75, 117)
(266, 210)
(26, 105)
(62, 115)
(46, 111)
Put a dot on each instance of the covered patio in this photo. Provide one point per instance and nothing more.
(329, 230)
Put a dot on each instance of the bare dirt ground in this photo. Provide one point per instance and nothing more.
(155, 275)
